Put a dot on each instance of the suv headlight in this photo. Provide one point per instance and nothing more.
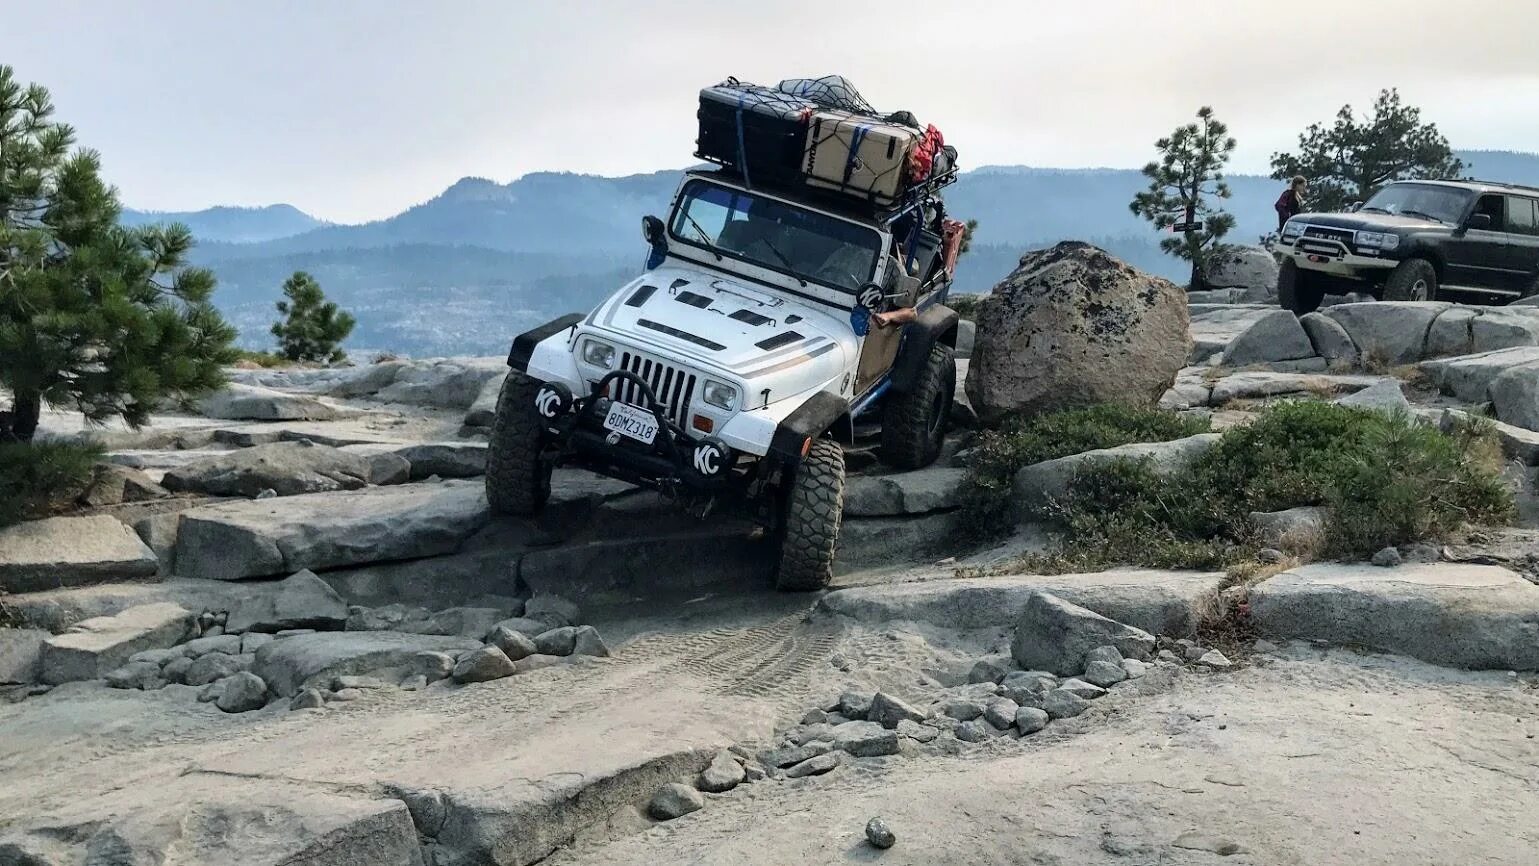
(719, 394)
(599, 354)
(1292, 229)
(1381, 240)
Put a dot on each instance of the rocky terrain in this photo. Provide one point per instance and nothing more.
(283, 628)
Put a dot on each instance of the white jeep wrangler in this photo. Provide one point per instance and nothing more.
(739, 361)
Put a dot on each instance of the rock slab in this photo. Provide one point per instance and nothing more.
(294, 663)
(71, 551)
(96, 646)
(302, 600)
(1055, 635)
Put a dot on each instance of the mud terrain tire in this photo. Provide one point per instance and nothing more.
(1412, 280)
(914, 424)
(814, 507)
(517, 480)
(1297, 290)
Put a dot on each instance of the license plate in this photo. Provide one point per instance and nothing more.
(1310, 248)
(632, 421)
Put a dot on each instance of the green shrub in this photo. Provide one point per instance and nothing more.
(263, 359)
(965, 304)
(1387, 480)
(999, 454)
(34, 477)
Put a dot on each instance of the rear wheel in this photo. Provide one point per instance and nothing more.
(814, 507)
(517, 480)
(914, 424)
(1412, 280)
(1297, 289)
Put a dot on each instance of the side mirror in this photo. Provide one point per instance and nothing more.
(1479, 221)
(867, 301)
(1355, 207)
(652, 230)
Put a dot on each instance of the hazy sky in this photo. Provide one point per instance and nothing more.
(355, 110)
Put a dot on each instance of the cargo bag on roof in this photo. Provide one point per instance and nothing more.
(830, 91)
(858, 156)
(759, 131)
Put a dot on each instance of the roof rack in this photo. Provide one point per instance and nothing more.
(1506, 185)
(912, 197)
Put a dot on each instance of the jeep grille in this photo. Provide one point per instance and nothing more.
(674, 386)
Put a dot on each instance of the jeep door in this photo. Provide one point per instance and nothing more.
(1523, 242)
(1477, 256)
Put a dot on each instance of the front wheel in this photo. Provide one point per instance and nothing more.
(1298, 290)
(517, 480)
(809, 530)
(1412, 280)
(914, 423)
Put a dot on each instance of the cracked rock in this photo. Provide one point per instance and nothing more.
(1029, 720)
(674, 800)
(724, 774)
(1063, 704)
(1105, 674)
(483, 665)
(814, 766)
(888, 711)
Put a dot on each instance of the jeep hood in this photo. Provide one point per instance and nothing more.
(1371, 222)
(752, 334)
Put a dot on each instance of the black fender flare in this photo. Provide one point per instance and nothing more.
(523, 344)
(816, 416)
(937, 324)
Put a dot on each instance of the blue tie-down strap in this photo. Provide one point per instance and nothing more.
(854, 157)
(656, 256)
(742, 150)
(860, 321)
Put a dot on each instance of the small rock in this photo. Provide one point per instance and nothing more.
(536, 662)
(144, 676)
(1135, 669)
(1039, 680)
(355, 682)
(1270, 555)
(266, 493)
(483, 665)
(1105, 674)
(1421, 552)
(1389, 557)
(589, 643)
(346, 695)
(211, 692)
(809, 733)
(865, 739)
(973, 732)
(1193, 652)
(724, 774)
(753, 773)
(228, 644)
(986, 671)
(1168, 657)
(1027, 697)
(156, 656)
(1029, 720)
(414, 683)
(1063, 704)
(252, 641)
(242, 693)
(213, 666)
(1083, 689)
(674, 800)
(1216, 660)
(793, 755)
(815, 717)
(814, 766)
(961, 709)
(854, 705)
(1107, 654)
(553, 609)
(917, 732)
(888, 711)
(556, 642)
(879, 835)
(309, 699)
(175, 670)
(1001, 713)
(434, 666)
(215, 630)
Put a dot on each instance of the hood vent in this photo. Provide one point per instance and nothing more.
(640, 296)
(751, 318)
(680, 335)
(779, 340)
(693, 299)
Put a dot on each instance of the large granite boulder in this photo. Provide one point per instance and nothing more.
(1274, 336)
(287, 468)
(71, 551)
(1242, 267)
(302, 600)
(1073, 326)
(1388, 332)
(1055, 635)
(236, 402)
(448, 383)
(1468, 330)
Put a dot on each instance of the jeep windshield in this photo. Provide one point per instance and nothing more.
(772, 234)
(1445, 204)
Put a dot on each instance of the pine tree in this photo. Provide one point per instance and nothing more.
(94, 316)
(312, 328)
(1351, 159)
(1189, 173)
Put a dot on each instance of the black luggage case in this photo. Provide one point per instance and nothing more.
(759, 131)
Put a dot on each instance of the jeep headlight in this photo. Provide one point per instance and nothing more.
(1292, 229)
(719, 394)
(1379, 240)
(599, 354)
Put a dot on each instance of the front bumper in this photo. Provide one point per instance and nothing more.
(1332, 257)
(673, 462)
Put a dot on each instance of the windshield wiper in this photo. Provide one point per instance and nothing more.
(1409, 212)
(1374, 209)
(710, 244)
(785, 261)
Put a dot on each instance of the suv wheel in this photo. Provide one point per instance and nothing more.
(1297, 289)
(517, 480)
(914, 424)
(814, 506)
(1412, 280)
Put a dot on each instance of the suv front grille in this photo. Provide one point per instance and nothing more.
(673, 386)
(1342, 235)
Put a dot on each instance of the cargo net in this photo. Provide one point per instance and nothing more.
(830, 91)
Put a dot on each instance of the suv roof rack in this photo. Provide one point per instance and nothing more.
(1507, 185)
(911, 198)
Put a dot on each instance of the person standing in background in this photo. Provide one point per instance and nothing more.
(1291, 203)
